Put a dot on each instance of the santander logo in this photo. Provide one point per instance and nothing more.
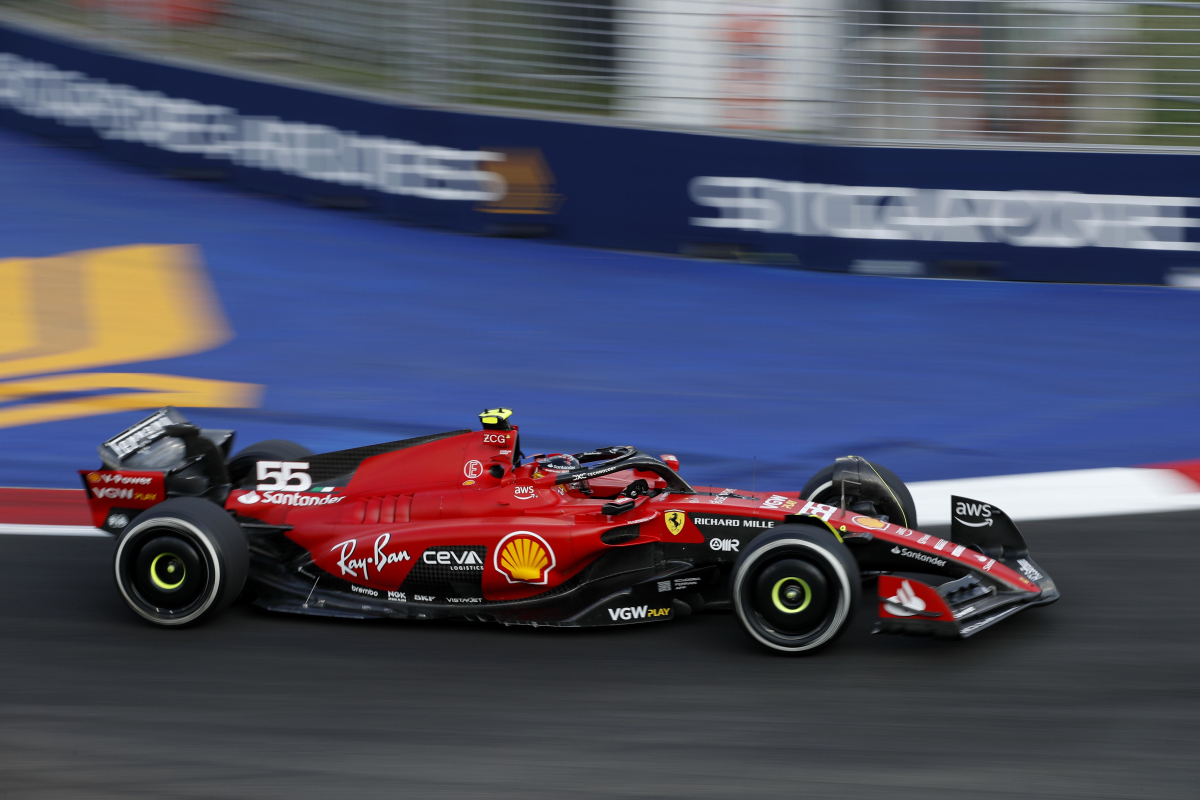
(905, 602)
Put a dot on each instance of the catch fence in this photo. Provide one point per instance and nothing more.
(1034, 73)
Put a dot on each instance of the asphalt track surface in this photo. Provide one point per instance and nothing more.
(1093, 697)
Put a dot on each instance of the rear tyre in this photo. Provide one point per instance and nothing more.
(899, 507)
(796, 589)
(242, 463)
(181, 562)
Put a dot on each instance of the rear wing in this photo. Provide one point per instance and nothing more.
(163, 455)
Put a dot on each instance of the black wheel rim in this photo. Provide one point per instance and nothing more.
(792, 599)
(165, 572)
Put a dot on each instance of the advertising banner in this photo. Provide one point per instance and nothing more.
(999, 214)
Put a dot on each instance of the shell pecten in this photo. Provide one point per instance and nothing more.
(524, 559)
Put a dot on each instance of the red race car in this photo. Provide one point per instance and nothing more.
(462, 525)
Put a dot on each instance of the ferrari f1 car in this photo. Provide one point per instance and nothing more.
(463, 525)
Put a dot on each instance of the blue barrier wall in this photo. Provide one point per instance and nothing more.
(1044, 216)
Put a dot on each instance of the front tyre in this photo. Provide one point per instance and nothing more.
(796, 589)
(181, 562)
(896, 503)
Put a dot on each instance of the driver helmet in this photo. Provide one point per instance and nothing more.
(559, 463)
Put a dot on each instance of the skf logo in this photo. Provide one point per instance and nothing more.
(637, 612)
(524, 557)
(675, 521)
(725, 545)
(62, 318)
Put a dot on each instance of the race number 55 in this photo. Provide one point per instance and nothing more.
(286, 476)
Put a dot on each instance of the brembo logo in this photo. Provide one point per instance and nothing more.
(904, 551)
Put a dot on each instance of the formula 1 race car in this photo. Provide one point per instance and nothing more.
(463, 525)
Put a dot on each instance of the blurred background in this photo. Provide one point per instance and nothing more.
(956, 237)
(788, 151)
(1077, 73)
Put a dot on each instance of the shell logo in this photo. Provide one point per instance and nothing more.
(870, 522)
(524, 557)
(93, 477)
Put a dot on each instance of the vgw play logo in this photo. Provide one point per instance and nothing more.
(98, 308)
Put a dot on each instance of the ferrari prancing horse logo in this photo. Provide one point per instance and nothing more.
(675, 521)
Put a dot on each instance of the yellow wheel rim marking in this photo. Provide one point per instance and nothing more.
(778, 604)
(183, 573)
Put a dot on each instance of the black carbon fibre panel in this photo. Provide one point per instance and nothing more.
(336, 468)
(447, 573)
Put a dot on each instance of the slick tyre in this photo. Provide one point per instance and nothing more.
(796, 589)
(242, 464)
(181, 562)
(820, 489)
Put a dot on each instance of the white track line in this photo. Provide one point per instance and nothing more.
(52, 530)
(1062, 495)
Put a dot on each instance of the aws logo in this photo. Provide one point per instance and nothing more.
(524, 557)
(96, 308)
